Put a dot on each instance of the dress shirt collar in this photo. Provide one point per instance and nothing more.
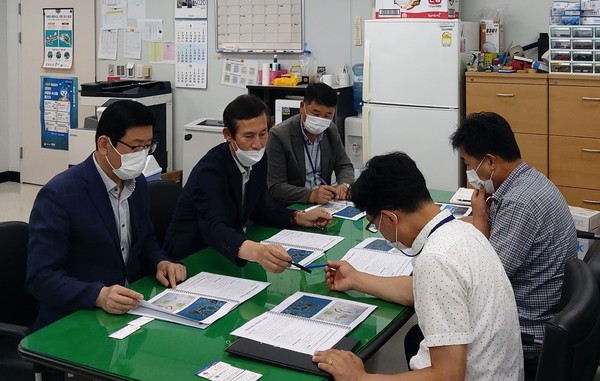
(423, 235)
(510, 180)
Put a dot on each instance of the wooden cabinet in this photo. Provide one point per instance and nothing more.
(521, 99)
(574, 142)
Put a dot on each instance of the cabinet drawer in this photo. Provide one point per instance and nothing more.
(585, 198)
(575, 162)
(534, 150)
(574, 111)
(525, 107)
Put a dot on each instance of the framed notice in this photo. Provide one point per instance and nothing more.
(259, 26)
(58, 38)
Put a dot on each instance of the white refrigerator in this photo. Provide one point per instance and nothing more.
(413, 92)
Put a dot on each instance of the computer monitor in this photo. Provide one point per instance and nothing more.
(286, 108)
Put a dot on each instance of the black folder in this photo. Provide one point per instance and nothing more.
(284, 357)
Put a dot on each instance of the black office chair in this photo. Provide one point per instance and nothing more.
(570, 348)
(19, 307)
(163, 200)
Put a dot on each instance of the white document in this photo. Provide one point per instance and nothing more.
(200, 300)
(462, 196)
(113, 18)
(304, 240)
(107, 47)
(458, 211)
(376, 256)
(306, 322)
(341, 209)
(239, 73)
(151, 29)
(133, 44)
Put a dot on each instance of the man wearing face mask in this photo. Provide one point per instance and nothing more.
(460, 292)
(305, 150)
(90, 233)
(525, 217)
(227, 188)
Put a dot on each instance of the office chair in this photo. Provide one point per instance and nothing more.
(570, 347)
(20, 307)
(163, 200)
(592, 258)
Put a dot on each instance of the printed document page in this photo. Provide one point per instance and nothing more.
(306, 322)
(341, 209)
(462, 196)
(299, 239)
(223, 286)
(376, 256)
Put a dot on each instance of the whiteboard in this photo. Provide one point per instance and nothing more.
(258, 26)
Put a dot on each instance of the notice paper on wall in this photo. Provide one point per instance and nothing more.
(191, 45)
(162, 52)
(114, 18)
(239, 73)
(133, 44)
(107, 46)
(190, 9)
(58, 38)
(151, 29)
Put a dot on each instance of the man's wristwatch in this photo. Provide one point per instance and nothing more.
(346, 185)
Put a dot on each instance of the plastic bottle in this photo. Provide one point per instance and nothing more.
(357, 87)
(306, 61)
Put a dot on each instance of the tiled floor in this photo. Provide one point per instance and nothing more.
(17, 199)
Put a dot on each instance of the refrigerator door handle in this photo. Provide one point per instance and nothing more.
(365, 132)
(366, 72)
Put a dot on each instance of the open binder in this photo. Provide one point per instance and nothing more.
(284, 357)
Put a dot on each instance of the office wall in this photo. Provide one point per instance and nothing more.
(523, 20)
(328, 28)
(4, 157)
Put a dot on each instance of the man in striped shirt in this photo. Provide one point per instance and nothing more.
(525, 217)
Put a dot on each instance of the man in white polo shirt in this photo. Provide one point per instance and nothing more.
(460, 292)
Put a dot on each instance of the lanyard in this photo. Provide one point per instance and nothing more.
(436, 227)
(312, 166)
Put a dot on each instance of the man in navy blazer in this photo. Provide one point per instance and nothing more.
(227, 188)
(90, 232)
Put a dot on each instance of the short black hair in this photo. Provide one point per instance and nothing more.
(321, 94)
(486, 132)
(244, 107)
(390, 182)
(122, 115)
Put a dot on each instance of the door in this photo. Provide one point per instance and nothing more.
(412, 62)
(423, 134)
(38, 165)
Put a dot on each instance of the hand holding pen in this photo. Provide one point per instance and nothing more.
(323, 193)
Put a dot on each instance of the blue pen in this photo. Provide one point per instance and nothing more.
(316, 266)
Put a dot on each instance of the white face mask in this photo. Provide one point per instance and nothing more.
(248, 158)
(476, 182)
(314, 124)
(132, 164)
(396, 244)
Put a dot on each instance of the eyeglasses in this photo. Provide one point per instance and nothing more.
(371, 227)
(150, 147)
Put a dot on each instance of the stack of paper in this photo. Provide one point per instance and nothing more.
(341, 209)
(376, 256)
(303, 247)
(306, 323)
(462, 196)
(200, 300)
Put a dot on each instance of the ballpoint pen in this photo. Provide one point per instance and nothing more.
(316, 266)
(301, 267)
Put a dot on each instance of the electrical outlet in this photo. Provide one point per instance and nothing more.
(138, 71)
(111, 70)
(357, 35)
(121, 70)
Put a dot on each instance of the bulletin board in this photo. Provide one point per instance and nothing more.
(259, 26)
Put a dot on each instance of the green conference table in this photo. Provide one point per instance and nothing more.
(79, 343)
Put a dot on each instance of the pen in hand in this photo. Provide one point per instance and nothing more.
(307, 269)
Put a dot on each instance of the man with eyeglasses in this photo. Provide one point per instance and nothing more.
(90, 233)
(460, 292)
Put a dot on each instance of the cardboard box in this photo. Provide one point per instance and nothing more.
(565, 20)
(585, 219)
(590, 5)
(426, 9)
(491, 36)
(589, 21)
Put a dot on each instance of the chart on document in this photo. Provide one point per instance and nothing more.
(259, 25)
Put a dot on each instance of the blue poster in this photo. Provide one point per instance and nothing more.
(58, 110)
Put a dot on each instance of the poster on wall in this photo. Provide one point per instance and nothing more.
(58, 111)
(58, 38)
(190, 9)
(239, 73)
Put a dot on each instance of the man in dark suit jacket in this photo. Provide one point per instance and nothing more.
(90, 232)
(306, 149)
(227, 188)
